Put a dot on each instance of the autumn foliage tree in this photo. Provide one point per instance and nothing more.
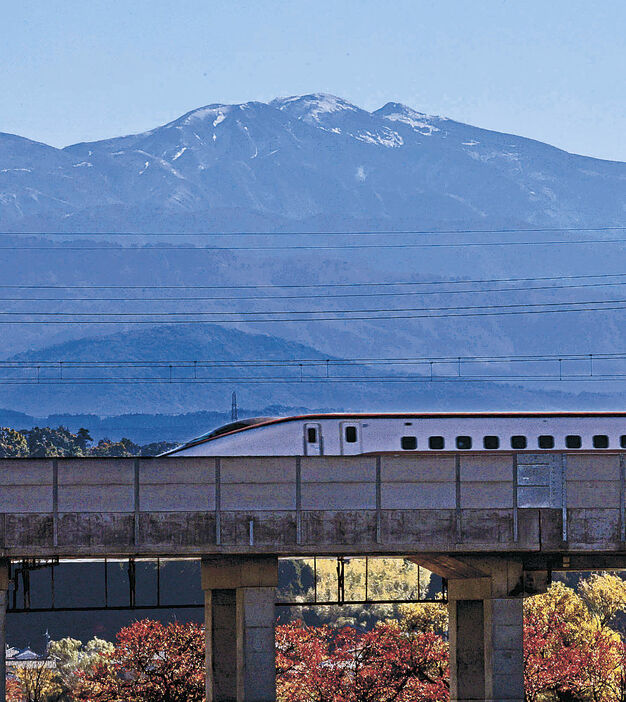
(14, 690)
(151, 662)
(570, 653)
(386, 664)
(71, 659)
(573, 652)
(37, 683)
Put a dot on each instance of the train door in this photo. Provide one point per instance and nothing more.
(313, 439)
(350, 438)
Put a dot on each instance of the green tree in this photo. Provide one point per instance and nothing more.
(46, 442)
(123, 447)
(13, 443)
(156, 448)
(424, 617)
(83, 438)
(386, 579)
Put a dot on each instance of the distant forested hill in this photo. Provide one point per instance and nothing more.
(277, 388)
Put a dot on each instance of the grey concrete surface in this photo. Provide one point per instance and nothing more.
(463, 503)
(486, 630)
(240, 593)
(256, 679)
(493, 525)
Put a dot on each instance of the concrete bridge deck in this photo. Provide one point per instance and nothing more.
(464, 502)
(494, 525)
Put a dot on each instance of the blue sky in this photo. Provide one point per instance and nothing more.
(552, 70)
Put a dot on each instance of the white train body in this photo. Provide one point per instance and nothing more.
(355, 434)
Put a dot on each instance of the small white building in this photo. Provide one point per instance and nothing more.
(26, 658)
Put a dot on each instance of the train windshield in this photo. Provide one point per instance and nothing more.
(232, 426)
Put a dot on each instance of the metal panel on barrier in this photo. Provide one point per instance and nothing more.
(540, 481)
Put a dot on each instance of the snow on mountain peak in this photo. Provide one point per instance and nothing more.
(217, 113)
(310, 107)
(420, 122)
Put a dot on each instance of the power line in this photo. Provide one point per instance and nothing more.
(385, 318)
(308, 285)
(311, 247)
(310, 297)
(374, 310)
(371, 232)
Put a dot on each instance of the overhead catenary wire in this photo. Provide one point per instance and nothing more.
(600, 305)
(462, 368)
(313, 362)
(322, 381)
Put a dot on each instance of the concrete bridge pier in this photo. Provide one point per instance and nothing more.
(4, 592)
(239, 614)
(486, 631)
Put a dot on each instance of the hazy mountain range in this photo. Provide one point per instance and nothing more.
(292, 166)
(313, 162)
(288, 377)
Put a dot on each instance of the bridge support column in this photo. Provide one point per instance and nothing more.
(239, 615)
(4, 592)
(486, 635)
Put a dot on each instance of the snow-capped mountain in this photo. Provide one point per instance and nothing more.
(36, 179)
(314, 161)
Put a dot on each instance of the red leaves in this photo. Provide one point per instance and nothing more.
(322, 664)
(151, 663)
(567, 654)
(14, 691)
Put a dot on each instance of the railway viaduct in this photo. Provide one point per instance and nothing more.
(494, 526)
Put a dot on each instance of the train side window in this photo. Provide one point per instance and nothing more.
(622, 440)
(491, 442)
(464, 442)
(436, 442)
(573, 441)
(311, 435)
(545, 441)
(408, 443)
(601, 441)
(518, 442)
(351, 437)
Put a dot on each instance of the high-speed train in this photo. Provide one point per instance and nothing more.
(376, 433)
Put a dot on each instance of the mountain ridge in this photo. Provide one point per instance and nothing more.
(304, 157)
(263, 369)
